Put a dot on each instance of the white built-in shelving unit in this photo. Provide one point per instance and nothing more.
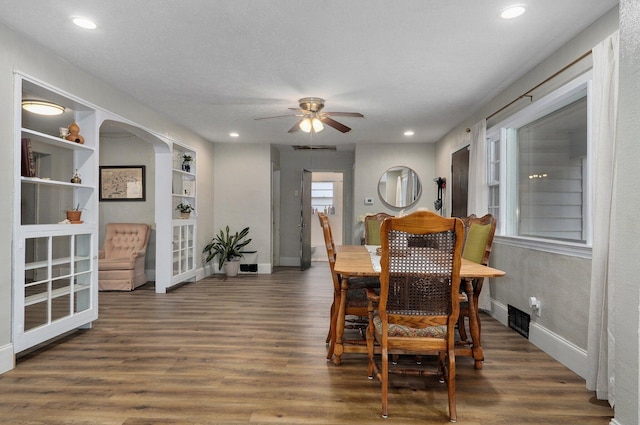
(54, 263)
(184, 228)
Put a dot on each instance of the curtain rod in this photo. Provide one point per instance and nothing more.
(526, 94)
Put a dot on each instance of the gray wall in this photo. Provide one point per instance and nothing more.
(372, 160)
(242, 195)
(561, 282)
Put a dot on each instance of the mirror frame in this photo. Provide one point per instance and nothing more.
(400, 171)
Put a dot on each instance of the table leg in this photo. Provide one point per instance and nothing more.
(474, 324)
(339, 325)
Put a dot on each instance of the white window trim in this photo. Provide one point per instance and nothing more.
(546, 245)
(547, 104)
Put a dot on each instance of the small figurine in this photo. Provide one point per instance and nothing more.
(74, 134)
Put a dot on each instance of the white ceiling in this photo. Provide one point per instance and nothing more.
(216, 65)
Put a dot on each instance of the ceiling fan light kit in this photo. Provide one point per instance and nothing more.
(317, 124)
(312, 119)
(308, 124)
(305, 125)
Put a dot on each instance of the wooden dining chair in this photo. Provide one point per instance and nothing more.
(372, 225)
(356, 303)
(417, 309)
(479, 233)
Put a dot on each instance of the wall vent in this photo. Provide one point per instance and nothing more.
(313, 148)
(519, 321)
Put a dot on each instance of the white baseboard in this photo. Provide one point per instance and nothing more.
(266, 268)
(7, 358)
(202, 272)
(561, 349)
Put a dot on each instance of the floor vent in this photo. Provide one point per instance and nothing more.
(249, 268)
(519, 321)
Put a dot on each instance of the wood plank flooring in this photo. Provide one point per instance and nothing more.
(250, 350)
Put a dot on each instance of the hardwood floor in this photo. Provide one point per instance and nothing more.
(251, 350)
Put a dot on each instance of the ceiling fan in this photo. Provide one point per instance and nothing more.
(313, 119)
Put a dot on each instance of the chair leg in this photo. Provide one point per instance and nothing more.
(331, 313)
(451, 385)
(332, 329)
(370, 342)
(385, 382)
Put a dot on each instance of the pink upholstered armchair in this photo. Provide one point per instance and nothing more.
(121, 260)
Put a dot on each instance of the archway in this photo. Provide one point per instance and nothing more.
(118, 144)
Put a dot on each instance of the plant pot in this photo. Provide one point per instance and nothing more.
(231, 268)
(74, 215)
(185, 215)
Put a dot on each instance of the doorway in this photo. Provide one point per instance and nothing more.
(142, 148)
(327, 193)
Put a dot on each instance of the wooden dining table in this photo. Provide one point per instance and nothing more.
(356, 261)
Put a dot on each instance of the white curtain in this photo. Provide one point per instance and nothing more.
(601, 313)
(478, 192)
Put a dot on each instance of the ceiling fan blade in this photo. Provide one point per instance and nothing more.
(277, 116)
(301, 112)
(344, 114)
(296, 127)
(335, 124)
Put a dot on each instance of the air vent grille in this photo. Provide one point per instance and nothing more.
(313, 148)
(519, 321)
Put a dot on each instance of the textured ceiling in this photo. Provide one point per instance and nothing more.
(216, 65)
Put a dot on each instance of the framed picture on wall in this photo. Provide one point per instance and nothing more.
(122, 183)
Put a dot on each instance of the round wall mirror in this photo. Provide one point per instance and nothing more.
(399, 187)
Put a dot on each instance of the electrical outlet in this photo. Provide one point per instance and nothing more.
(535, 305)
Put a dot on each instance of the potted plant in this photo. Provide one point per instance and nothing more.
(74, 214)
(228, 248)
(185, 209)
(186, 162)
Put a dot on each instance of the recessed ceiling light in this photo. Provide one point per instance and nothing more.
(85, 23)
(408, 133)
(512, 12)
(234, 134)
(42, 107)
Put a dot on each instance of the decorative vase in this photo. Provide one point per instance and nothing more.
(74, 134)
(74, 215)
(232, 267)
(186, 167)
